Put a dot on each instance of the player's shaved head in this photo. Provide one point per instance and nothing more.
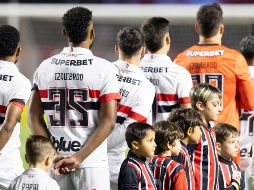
(154, 30)
(37, 148)
(9, 40)
(76, 22)
(130, 40)
(209, 18)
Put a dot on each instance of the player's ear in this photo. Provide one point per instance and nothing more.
(17, 53)
(197, 29)
(143, 51)
(117, 49)
(167, 39)
(221, 29)
(92, 34)
(64, 33)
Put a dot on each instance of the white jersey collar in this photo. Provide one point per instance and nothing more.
(76, 50)
(8, 65)
(123, 65)
(157, 57)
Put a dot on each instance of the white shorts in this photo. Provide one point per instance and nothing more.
(84, 179)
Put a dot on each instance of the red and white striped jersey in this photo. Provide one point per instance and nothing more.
(172, 84)
(72, 85)
(15, 88)
(137, 95)
(247, 133)
(227, 170)
(205, 160)
(168, 174)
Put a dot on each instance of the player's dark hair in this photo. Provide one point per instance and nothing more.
(202, 93)
(166, 132)
(223, 130)
(154, 30)
(209, 18)
(136, 132)
(37, 148)
(130, 40)
(247, 47)
(186, 118)
(76, 22)
(9, 40)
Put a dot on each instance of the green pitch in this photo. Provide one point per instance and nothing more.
(24, 133)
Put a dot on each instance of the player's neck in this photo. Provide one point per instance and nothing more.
(9, 59)
(163, 51)
(210, 40)
(133, 60)
(84, 44)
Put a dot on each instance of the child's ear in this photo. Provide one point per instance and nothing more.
(190, 131)
(117, 49)
(169, 146)
(218, 146)
(135, 145)
(200, 106)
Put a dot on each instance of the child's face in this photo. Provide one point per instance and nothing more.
(176, 147)
(212, 109)
(229, 148)
(147, 145)
(195, 135)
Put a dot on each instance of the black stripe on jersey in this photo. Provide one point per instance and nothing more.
(1, 120)
(163, 109)
(86, 105)
(21, 101)
(154, 109)
(35, 87)
(120, 119)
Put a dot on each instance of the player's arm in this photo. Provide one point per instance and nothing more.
(12, 116)
(35, 115)
(107, 121)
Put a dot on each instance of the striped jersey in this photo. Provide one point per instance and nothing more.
(225, 69)
(205, 161)
(72, 85)
(168, 174)
(184, 159)
(172, 84)
(247, 133)
(135, 174)
(34, 178)
(227, 170)
(15, 88)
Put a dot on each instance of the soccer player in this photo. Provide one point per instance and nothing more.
(168, 174)
(172, 82)
(137, 95)
(39, 154)
(189, 120)
(135, 173)
(14, 93)
(206, 99)
(225, 68)
(78, 93)
(246, 119)
(227, 143)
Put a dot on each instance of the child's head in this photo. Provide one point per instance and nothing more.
(189, 120)
(140, 139)
(167, 138)
(206, 99)
(247, 49)
(39, 151)
(227, 140)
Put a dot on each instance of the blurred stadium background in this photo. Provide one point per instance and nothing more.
(39, 22)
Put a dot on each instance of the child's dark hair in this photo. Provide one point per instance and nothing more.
(247, 47)
(203, 93)
(37, 148)
(154, 30)
(9, 40)
(166, 132)
(223, 130)
(75, 22)
(186, 118)
(130, 40)
(136, 132)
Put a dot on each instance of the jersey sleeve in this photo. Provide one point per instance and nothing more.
(129, 177)
(110, 87)
(179, 179)
(245, 86)
(184, 87)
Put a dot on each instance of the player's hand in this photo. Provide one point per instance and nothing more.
(66, 165)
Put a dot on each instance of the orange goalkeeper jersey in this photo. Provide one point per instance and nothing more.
(225, 69)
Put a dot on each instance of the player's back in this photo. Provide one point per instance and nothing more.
(72, 85)
(172, 84)
(225, 69)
